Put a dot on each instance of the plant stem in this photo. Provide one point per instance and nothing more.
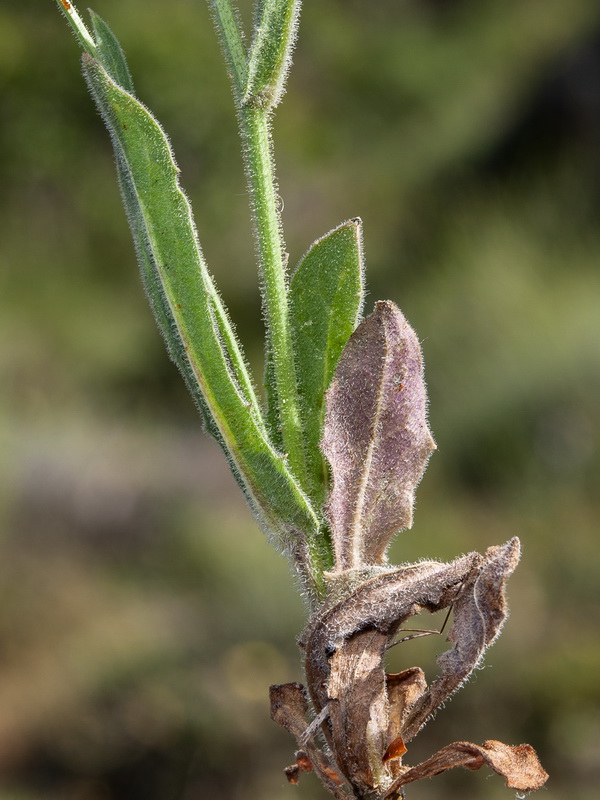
(257, 141)
(255, 132)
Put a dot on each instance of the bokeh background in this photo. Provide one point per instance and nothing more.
(142, 614)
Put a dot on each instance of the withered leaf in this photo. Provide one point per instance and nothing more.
(479, 613)
(345, 646)
(302, 764)
(292, 773)
(358, 713)
(289, 707)
(518, 764)
(375, 437)
(403, 690)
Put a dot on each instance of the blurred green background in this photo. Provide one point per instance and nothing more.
(142, 613)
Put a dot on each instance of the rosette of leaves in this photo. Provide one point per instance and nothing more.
(330, 461)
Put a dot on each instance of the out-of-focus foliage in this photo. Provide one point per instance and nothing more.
(142, 615)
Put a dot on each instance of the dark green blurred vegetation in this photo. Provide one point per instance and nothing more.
(142, 613)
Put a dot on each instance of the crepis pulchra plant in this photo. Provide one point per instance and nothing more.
(330, 460)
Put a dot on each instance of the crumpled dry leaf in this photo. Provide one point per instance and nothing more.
(289, 707)
(518, 764)
(403, 690)
(375, 437)
(479, 613)
(369, 715)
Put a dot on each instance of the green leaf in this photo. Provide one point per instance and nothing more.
(78, 27)
(272, 407)
(271, 52)
(229, 28)
(110, 53)
(326, 296)
(193, 320)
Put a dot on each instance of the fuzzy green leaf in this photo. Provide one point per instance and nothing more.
(326, 296)
(110, 53)
(192, 318)
(271, 52)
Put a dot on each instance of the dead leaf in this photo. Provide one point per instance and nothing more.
(518, 764)
(479, 612)
(289, 707)
(345, 646)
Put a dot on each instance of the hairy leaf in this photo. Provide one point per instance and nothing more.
(326, 295)
(518, 764)
(110, 53)
(190, 313)
(479, 612)
(289, 708)
(271, 52)
(375, 437)
(371, 716)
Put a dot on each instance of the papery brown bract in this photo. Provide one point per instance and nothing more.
(375, 437)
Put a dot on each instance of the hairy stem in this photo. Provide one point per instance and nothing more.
(254, 125)
(256, 137)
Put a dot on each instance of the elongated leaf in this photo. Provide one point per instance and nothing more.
(110, 53)
(375, 437)
(518, 764)
(326, 295)
(271, 52)
(190, 313)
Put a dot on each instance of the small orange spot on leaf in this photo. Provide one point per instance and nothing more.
(303, 762)
(292, 773)
(332, 775)
(396, 749)
(65, 5)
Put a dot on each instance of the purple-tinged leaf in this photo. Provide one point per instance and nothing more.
(375, 437)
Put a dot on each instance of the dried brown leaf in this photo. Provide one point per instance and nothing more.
(346, 643)
(292, 773)
(345, 647)
(358, 708)
(289, 707)
(518, 764)
(302, 764)
(375, 437)
(403, 690)
(479, 613)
